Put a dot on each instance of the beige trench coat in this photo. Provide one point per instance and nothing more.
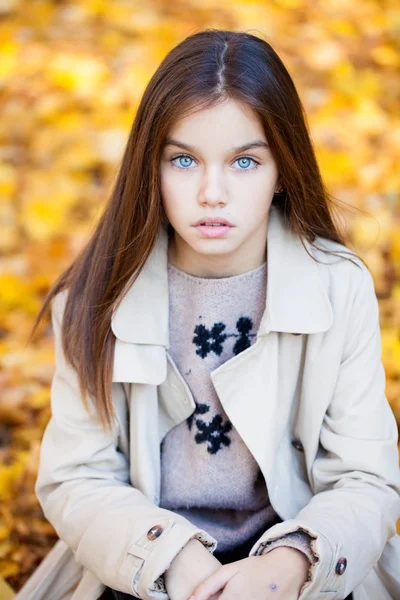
(307, 398)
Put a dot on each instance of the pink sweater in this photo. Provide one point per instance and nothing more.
(208, 475)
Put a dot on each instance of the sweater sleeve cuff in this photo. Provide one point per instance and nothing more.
(300, 540)
(296, 539)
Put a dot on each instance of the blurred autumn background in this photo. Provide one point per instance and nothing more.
(71, 77)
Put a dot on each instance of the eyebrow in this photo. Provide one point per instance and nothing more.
(243, 148)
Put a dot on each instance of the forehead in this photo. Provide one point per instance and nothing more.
(225, 112)
(228, 125)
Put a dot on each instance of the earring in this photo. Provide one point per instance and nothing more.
(280, 191)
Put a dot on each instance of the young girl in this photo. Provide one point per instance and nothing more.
(219, 424)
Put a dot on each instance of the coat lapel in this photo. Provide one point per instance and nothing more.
(140, 322)
(296, 302)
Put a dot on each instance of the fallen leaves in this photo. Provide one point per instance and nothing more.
(71, 76)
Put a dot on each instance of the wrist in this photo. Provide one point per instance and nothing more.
(298, 560)
(191, 566)
(191, 547)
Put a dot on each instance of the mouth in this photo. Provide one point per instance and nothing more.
(213, 222)
(212, 225)
(213, 230)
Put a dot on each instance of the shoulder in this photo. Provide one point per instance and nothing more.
(346, 277)
(337, 259)
(330, 252)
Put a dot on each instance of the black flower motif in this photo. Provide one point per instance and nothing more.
(214, 433)
(209, 340)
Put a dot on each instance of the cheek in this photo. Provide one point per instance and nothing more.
(175, 190)
(164, 182)
(171, 199)
(169, 181)
(167, 189)
(257, 189)
(259, 199)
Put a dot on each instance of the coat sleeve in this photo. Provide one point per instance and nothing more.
(84, 489)
(355, 476)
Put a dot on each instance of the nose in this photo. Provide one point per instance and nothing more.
(213, 191)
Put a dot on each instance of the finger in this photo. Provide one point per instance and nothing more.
(213, 584)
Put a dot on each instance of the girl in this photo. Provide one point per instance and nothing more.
(219, 424)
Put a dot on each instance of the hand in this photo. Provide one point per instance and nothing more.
(277, 575)
(191, 566)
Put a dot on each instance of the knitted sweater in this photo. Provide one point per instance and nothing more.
(208, 475)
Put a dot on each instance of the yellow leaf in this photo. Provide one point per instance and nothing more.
(15, 293)
(9, 59)
(7, 476)
(4, 532)
(8, 569)
(368, 117)
(6, 591)
(386, 55)
(290, 3)
(40, 399)
(8, 181)
(344, 28)
(76, 72)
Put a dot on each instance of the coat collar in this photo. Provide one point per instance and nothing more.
(297, 300)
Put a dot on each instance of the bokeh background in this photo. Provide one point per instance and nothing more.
(71, 77)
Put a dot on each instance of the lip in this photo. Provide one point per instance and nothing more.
(213, 231)
(212, 220)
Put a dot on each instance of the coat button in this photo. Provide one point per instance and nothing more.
(298, 445)
(341, 566)
(154, 532)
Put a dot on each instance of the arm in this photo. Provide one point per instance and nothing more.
(355, 476)
(189, 568)
(84, 490)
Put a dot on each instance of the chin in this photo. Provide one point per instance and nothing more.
(214, 251)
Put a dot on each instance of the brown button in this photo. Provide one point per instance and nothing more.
(341, 566)
(298, 445)
(154, 532)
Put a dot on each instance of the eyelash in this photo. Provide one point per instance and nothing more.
(188, 156)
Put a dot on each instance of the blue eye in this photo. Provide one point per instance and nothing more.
(248, 158)
(181, 156)
(183, 167)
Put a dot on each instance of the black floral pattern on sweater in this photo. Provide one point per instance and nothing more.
(212, 340)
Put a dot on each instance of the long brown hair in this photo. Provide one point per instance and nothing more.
(204, 69)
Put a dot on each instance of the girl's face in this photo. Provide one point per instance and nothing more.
(205, 174)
